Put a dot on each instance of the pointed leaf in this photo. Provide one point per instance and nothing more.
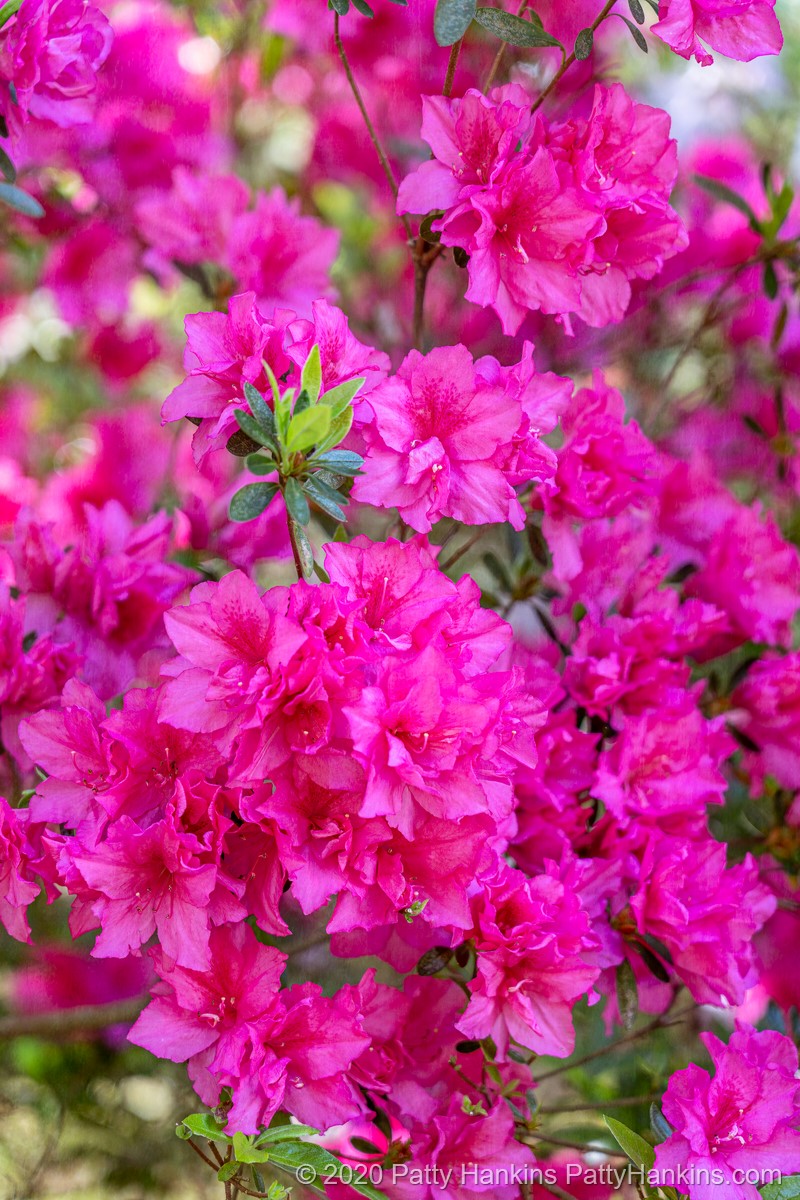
(302, 548)
(637, 12)
(205, 1125)
(296, 503)
(319, 494)
(637, 1149)
(308, 428)
(513, 29)
(7, 168)
(253, 429)
(636, 34)
(659, 1123)
(584, 43)
(259, 464)
(259, 408)
(452, 19)
(340, 427)
(311, 375)
(250, 501)
(339, 397)
(285, 1133)
(343, 462)
(21, 201)
(721, 192)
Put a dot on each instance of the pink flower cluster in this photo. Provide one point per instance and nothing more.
(555, 218)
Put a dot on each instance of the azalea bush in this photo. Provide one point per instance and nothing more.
(399, 592)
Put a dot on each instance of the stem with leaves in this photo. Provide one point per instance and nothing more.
(570, 59)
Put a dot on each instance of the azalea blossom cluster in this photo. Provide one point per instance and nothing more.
(481, 800)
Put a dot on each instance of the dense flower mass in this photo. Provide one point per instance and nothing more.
(404, 692)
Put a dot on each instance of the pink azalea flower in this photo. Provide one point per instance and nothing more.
(664, 767)
(740, 29)
(705, 914)
(283, 257)
(52, 50)
(740, 1124)
(531, 936)
(449, 436)
(767, 709)
(19, 885)
(106, 594)
(143, 881)
(276, 1050)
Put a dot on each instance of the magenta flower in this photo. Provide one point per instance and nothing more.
(450, 437)
(531, 936)
(769, 700)
(740, 29)
(19, 884)
(52, 50)
(705, 913)
(737, 1128)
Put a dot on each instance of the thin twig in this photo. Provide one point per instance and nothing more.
(498, 58)
(659, 1023)
(462, 550)
(83, 1019)
(584, 1146)
(570, 59)
(626, 1102)
(204, 1157)
(379, 150)
(452, 63)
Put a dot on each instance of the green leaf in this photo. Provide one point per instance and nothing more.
(9, 10)
(627, 994)
(637, 12)
(259, 464)
(259, 408)
(636, 34)
(343, 462)
(787, 1188)
(7, 168)
(296, 503)
(452, 19)
(285, 1133)
(340, 427)
(637, 1149)
(246, 1151)
(324, 497)
(721, 192)
(659, 1123)
(311, 375)
(425, 230)
(302, 402)
(182, 1132)
(513, 29)
(205, 1125)
(342, 7)
(227, 1171)
(283, 413)
(308, 428)
(338, 398)
(250, 501)
(770, 280)
(584, 43)
(362, 7)
(302, 547)
(21, 201)
(253, 429)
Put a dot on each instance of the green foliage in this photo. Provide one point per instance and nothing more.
(514, 30)
(787, 1188)
(452, 19)
(296, 440)
(15, 198)
(584, 44)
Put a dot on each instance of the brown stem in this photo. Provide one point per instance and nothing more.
(452, 63)
(85, 1019)
(570, 59)
(584, 1146)
(354, 88)
(498, 58)
(423, 261)
(462, 550)
(204, 1157)
(659, 1023)
(626, 1102)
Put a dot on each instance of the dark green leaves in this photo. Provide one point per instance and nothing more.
(787, 1189)
(636, 33)
(637, 12)
(721, 191)
(627, 994)
(659, 1124)
(296, 503)
(452, 19)
(251, 500)
(584, 43)
(7, 168)
(20, 201)
(513, 29)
